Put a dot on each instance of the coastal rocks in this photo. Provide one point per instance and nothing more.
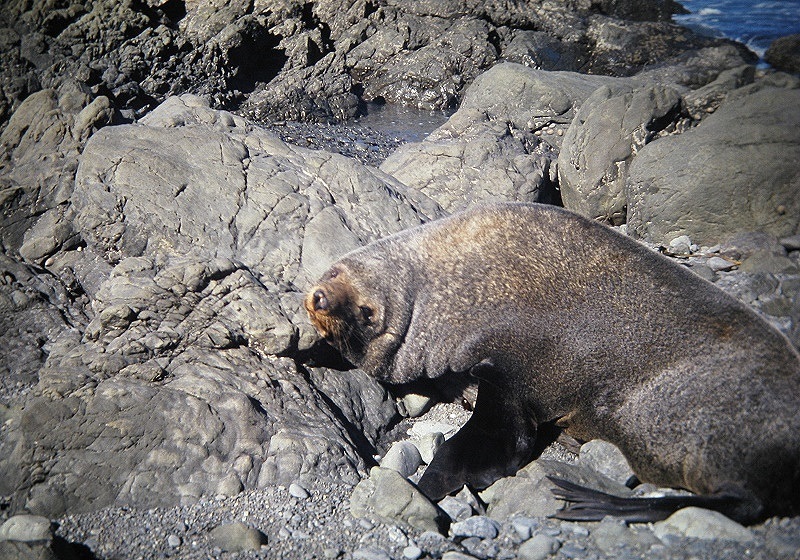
(388, 496)
(611, 126)
(197, 237)
(754, 145)
(502, 141)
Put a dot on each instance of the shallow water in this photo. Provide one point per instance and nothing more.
(754, 23)
(405, 124)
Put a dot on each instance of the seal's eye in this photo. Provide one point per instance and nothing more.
(366, 313)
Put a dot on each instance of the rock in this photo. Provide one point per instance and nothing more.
(489, 149)
(524, 526)
(298, 491)
(538, 547)
(387, 495)
(402, 457)
(476, 526)
(755, 147)
(416, 405)
(606, 459)
(412, 552)
(428, 445)
(717, 264)
(613, 124)
(188, 335)
(768, 261)
(27, 528)
(237, 537)
(702, 524)
(791, 243)
(529, 493)
(784, 53)
(456, 509)
(681, 245)
(371, 553)
(700, 102)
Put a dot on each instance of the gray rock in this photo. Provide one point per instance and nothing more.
(718, 263)
(524, 526)
(784, 53)
(611, 126)
(27, 528)
(478, 526)
(606, 459)
(538, 547)
(428, 445)
(681, 245)
(702, 524)
(529, 493)
(489, 149)
(791, 243)
(700, 102)
(755, 146)
(237, 537)
(403, 457)
(298, 491)
(415, 405)
(388, 496)
(456, 509)
(371, 553)
(412, 552)
(769, 262)
(188, 335)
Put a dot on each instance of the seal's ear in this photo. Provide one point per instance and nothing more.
(496, 441)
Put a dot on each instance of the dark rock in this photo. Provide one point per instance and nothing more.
(784, 54)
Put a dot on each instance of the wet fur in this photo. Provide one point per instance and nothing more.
(564, 320)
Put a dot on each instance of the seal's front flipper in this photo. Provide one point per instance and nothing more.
(495, 442)
(592, 505)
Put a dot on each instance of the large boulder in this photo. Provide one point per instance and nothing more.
(501, 142)
(176, 376)
(739, 170)
(784, 53)
(612, 125)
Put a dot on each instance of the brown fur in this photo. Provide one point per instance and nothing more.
(564, 320)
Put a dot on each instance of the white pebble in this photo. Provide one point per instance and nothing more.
(298, 491)
(174, 541)
(412, 552)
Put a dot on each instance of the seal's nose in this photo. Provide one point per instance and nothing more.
(320, 301)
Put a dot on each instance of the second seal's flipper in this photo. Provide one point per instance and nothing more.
(592, 505)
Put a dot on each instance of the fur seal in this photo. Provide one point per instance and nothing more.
(563, 320)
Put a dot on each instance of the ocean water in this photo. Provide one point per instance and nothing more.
(754, 23)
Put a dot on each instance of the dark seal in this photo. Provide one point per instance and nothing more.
(565, 322)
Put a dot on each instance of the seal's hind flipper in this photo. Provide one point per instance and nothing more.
(593, 505)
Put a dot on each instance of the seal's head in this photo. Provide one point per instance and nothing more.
(352, 310)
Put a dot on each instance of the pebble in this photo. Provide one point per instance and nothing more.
(477, 526)
(718, 264)
(236, 537)
(681, 245)
(539, 547)
(298, 491)
(524, 526)
(371, 553)
(412, 552)
(453, 555)
(403, 457)
(174, 541)
(456, 509)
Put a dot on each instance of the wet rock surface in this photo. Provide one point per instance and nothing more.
(161, 391)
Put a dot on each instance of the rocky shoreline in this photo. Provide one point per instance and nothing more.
(162, 393)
